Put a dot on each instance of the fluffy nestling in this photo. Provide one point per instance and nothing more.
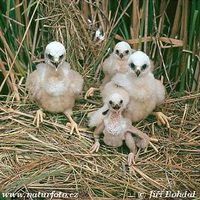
(54, 86)
(116, 128)
(145, 91)
(115, 63)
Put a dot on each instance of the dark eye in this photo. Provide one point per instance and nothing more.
(144, 67)
(127, 52)
(50, 56)
(61, 57)
(110, 102)
(117, 51)
(121, 102)
(132, 66)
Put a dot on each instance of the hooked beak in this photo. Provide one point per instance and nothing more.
(137, 72)
(121, 55)
(55, 64)
(116, 107)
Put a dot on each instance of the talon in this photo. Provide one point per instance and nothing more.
(132, 171)
(95, 147)
(162, 119)
(90, 92)
(131, 159)
(90, 114)
(68, 124)
(39, 117)
(73, 125)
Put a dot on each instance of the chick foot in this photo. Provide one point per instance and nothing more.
(131, 159)
(39, 117)
(95, 147)
(90, 92)
(162, 119)
(73, 125)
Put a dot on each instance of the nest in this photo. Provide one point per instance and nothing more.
(48, 158)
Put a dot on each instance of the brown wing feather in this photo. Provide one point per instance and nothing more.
(76, 83)
(33, 82)
(160, 92)
(32, 85)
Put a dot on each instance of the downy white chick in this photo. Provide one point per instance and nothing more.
(115, 63)
(53, 85)
(145, 91)
(116, 128)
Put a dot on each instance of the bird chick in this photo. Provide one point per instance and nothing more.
(54, 86)
(145, 91)
(117, 129)
(115, 63)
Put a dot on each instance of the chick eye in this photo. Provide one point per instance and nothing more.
(110, 102)
(144, 67)
(117, 51)
(60, 57)
(50, 56)
(132, 66)
(121, 101)
(127, 52)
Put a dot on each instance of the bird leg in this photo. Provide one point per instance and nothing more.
(39, 117)
(142, 140)
(90, 92)
(73, 124)
(162, 119)
(95, 147)
(130, 142)
(131, 159)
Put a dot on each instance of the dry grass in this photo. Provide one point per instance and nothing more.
(48, 158)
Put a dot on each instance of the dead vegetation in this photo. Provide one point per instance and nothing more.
(48, 158)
